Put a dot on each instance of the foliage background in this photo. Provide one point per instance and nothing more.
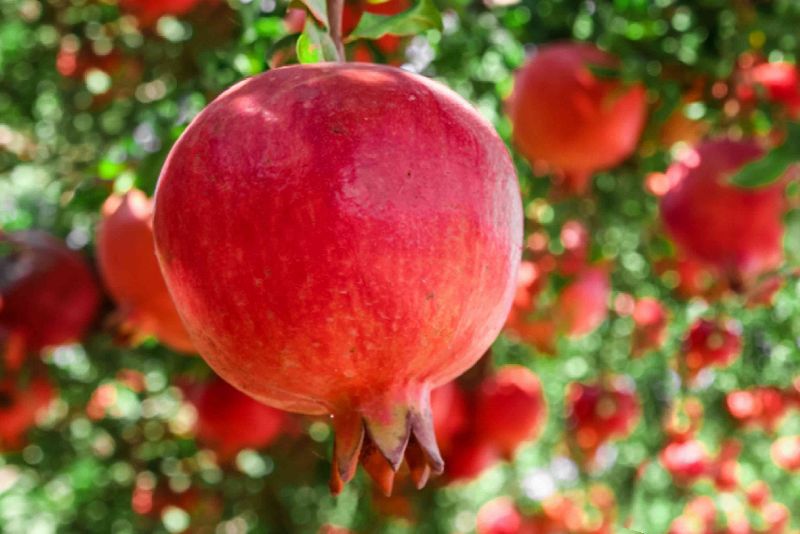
(66, 143)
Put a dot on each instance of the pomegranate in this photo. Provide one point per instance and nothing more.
(499, 516)
(686, 461)
(510, 409)
(599, 412)
(575, 239)
(229, 421)
(785, 452)
(779, 82)
(569, 119)
(450, 413)
(48, 294)
(21, 402)
(149, 11)
(582, 305)
(757, 493)
(761, 407)
(324, 262)
(650, 325)
(736, 231)
(130, 271)
(470, 458)
(708, 343)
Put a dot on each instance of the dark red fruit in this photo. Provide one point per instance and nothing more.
(21, 402)
(341, 239)
(711, 343)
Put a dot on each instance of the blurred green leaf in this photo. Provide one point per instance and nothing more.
(423, 16)
(315, 45)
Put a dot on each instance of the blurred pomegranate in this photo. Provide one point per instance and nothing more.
(734, 230)
(469, 459)
(582, 305)
(149, 11)
(450, 412)
(500, 516)
(711, 343)
(510, 409)
(599, 412)
(650, 325)
(48, 295)
(575, 239)
(686, 461)
(785, 452)
(776, 82)
(21, 402)
(570, 119)
(129, 268)
(229, 421)
(77, 62)
(757, 493)
(323, 292)
(760, 407)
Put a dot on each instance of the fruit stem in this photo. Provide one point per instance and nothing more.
(335, 8)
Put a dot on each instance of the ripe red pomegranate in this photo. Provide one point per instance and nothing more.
(469, 459)
(760, 407)
(149, 11)
(500, 516)
(785, 452)
(650, 330)
(229, 421)
(21, 402)
(704, 215)
(48, 295)
(450, 413)
(129, 268)
(599, 412)
(686, 461)
(778, 82)
(326, 263)
(758, 493)
(711, 343)
(569, 119)
(510, 409)
(582, 305)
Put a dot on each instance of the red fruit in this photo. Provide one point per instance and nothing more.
(129, 268)
(450, 415)
(597, 413)
(735, 230)
(650, 320)
(686, 461)
(777, 516)
(326, 263)
(762, 407)
(48, 295)
(703, 508)
(510, 409)
(499, 516)
(757, 493)
(575, 239)
(228, 421)
(785, 452)
(21, 402)
(582, 306)
(711, 343)
(471, 458)
(566, 117)
(779, 82)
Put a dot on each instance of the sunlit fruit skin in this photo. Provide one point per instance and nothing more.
(738, 231)
(228, 421)
(21, 402)
(711, 343)
(566, 117)
(510, 409)
(341, 238)
(129, 269)
(49, 294)
(785, 452)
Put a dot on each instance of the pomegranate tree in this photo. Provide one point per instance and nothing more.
(340, 239)
(48, 295)
(570, 119)
(736, 231)
(129, 268)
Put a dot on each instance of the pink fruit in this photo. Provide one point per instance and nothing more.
(736, 231)
(510, 409)
(650, 325)
(686, 461)
(499, 516)
(341, 239)
(711, 343)
(229, 421)
(582, 305)
(570, 119)
(785, 452)
(21, 402)
(129, 268)
(48, 295)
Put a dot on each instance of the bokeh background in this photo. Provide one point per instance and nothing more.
(133, 436)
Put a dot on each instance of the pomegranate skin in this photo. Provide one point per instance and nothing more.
(20, 404)
(570, 120)
(49, 296)
(340, 239)
(129, 269)
(737, 231)
(229, 421)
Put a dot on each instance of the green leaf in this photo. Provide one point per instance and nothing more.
(284, 44)
(315, 45)
(773, 165)
(423, 16)
(317, 8)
